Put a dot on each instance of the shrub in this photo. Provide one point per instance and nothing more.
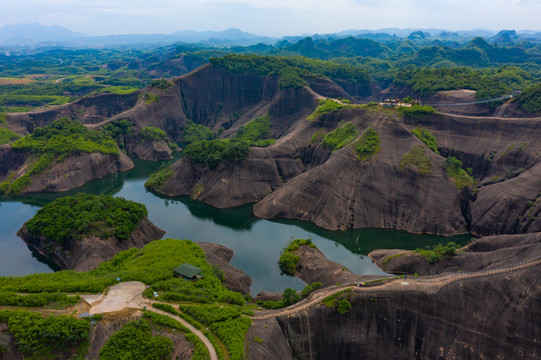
(439, 252)
(165, 307)
(310, 288)
(153, 133)
(416, 110)
(161, 84)
(208, 314)
(288, 260)
(343, 306)
(325, 107)
(458, 175)
(194, 132)
(232, 332)
(37, 335)
(211, 153)
(6, 135)
(368, 145)
(158, 179)
(416, 159)
(165, 320)
(427, 137)
(339, 137)
(135, 341)
(256, 132)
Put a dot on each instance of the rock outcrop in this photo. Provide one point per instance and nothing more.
(76, 170)
(490, 315)
(87, 253)
(485, 253)
(219, 255)
(152, 150)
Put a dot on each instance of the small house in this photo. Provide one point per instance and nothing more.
(188, 271)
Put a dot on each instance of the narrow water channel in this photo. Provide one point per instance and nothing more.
(257, 243)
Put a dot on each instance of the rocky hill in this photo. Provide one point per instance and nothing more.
(488, 313)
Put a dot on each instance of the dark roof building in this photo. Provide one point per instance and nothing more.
(187, 271)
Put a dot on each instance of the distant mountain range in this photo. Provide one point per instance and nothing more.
(36, 35)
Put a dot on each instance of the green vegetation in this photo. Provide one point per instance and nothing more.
(158, 179)
(416, 110)
(74, 217)
(135, 341)
(427, 137)
(165, 307)
(50, 300)
(161, 84)
(6, 135)
(458, 175)
(211, 153)
(439, 252)
(310, 289)
(256, 133)
(325, 107)
(417, 160)
(289, 297)
(339, 300)
(194, 132)
(489, 83)
(165, 320)
(343, 306)
(48, 337)
(200, 350)
(294, 70)
(233, 332)
(224, 321)
(288, 260)
(66, 137)
(317, 137)
(208, 314)
(53, 143)
(395, 256)
(340, 137)
(152, 265)
(118, 129)
(368, 145)
(153, 133)
(150, 98)
(530, 99)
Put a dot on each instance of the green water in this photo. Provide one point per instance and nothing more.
(257, 243)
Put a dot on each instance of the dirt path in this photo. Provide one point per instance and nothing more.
(199, 334)
(129, 295)
(429, 284)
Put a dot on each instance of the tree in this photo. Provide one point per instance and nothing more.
(290, 297)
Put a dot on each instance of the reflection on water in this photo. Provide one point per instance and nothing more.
(257, 243)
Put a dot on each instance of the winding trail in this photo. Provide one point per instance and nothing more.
(199, 334)
(430, 284)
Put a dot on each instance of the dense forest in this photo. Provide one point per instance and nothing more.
(30, 79)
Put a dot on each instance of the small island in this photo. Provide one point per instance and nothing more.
(79, 232)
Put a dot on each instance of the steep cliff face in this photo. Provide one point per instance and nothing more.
(88, 110)
(235, 279)
(87, 253)
(70, 173)
(504, 157)
(492, 315)
(152, 150)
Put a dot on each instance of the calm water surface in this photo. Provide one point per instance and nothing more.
(257, 243)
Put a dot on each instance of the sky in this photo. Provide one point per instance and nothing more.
(271, 17)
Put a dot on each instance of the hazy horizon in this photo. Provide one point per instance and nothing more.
(275, 18)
